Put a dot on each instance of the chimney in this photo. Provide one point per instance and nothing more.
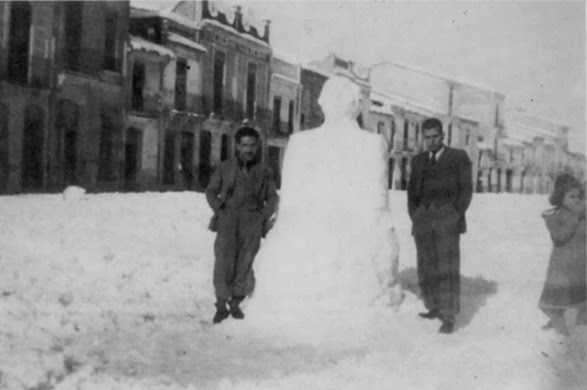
(238, 18)
(267, 30)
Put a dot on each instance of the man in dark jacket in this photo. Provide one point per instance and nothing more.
(439, 193)
(243, 196)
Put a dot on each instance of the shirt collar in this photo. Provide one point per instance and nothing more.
(438, 153)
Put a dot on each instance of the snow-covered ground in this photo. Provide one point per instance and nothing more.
(114, 291)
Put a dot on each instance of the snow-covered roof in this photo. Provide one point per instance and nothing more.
(186, 42)
(154, 5)
(381, 110)
(318, 70)
(285, 78)
(462, 82)
(402, 101)
(138, 43)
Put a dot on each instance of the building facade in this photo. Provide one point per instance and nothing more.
(62, 94)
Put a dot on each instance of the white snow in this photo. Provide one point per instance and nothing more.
(115, 292)
(333, 247)
(73, 193)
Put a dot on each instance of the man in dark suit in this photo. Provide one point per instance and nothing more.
(439, 193)
(243, 196)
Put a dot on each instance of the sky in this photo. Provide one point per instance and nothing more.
(533, 51)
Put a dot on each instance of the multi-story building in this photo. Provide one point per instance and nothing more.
(235, 90)
(530, 152)
(470, 113)
(285, 92)
(176, 92)
(62, 94)
(221, 81)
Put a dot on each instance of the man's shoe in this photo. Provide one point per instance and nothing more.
(448, 325)
(235, 310)
(222, 312)
(432, 314)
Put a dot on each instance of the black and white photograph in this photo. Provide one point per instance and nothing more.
(293, 194)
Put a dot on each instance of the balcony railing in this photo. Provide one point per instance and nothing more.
(88, 61)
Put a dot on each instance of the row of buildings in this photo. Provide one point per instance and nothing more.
(110, 96)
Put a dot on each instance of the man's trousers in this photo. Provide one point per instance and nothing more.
(237, 242)
(438, 252)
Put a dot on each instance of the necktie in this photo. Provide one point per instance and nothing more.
(433, 158)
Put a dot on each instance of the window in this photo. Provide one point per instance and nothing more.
(392, 133)
(218, 81)
(205, 166)
(251, 90)
(4, 148)
(181, 69)
(224, 148)
(18, 46)
(111, 32)
(380, 127)
(66, 125)
(187, 158)
(32, 149)
(131, 158)
(290, 117)
(73, 34)
(274, 157)
(417, 132)
(276, 113)
(106, 160)
(406, 133)
(169, 159)
(138, 83)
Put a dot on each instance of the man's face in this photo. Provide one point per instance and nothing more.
(433, 138)
(247, 148)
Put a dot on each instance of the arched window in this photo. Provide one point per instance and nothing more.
(18, 45)
(32, 149)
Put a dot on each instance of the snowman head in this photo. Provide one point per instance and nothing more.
(340, 99)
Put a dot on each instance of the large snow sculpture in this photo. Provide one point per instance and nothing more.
(333, 245)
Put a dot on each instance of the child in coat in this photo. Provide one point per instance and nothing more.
(565, 286)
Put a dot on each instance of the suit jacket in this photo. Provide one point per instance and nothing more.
(448, 181)
(223, 181)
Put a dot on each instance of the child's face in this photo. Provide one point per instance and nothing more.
(572, 200)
